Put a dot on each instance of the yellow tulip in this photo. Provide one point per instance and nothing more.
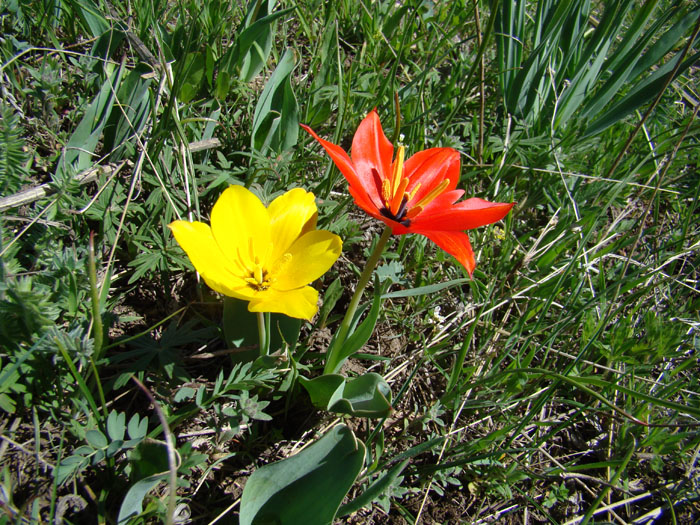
(267, 256)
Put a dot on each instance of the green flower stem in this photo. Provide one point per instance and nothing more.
(342, 334)
(263, 334)
(97, 329)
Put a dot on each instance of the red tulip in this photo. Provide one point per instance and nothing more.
(415, 196)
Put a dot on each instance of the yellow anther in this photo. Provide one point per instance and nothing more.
(397, 175)
(386, 191)
(437, 190)
(398, 196)
(258, 274)
(413, 192)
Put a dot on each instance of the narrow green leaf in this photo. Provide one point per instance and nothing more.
(78, 153)
(333, 293)
(622, 67)
(232, 60)
(194, 76)
(578, 90)
(91, 17)
(424, 290)
(375, 490)
(360, 336)
(259, 48)
(667, 42)
(644, 92)
(276, 117)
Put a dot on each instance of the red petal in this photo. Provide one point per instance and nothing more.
(371, 150)
(456, 244)
(429, 167)
(363, 202)
(347, 168)
(464, 215)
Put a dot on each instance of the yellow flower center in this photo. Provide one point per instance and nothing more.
(395, 197)
(261, 279)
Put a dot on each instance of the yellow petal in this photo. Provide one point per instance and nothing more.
(312, 255)
(241, 226)
(291, 214)
(215, 268)
(301, 303)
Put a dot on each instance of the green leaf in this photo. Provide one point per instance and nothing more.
(423, 290)
(7, 404)
(375, 490)
(368, 395)
(307, 487)
(116, 425)
(184, 393)
(241, 330)
(530, 85)
(333, 293)
(193, 70)
(276, 117)
(510, 21)
(669, 40)
(96, 439)
(114, 447)
(78, 153)
(642, 93)
(132, 505)
(258, 48)
(623, 60)
(67, 467)
(131, 119)
(137, 428)
(358, 337)
(148, 458)
(91, 17)
(234, 58)
(240, 327)
(321, 389)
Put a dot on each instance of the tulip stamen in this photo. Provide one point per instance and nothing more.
(433, 194)
(413, 191)
(386, 191)
(259, 279)
(397, 175)
(399, 196)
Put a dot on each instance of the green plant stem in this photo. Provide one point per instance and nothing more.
(397, 126)
(262, 335)
(100, 390)
(334, 350)
(97, 329)
(79, 379)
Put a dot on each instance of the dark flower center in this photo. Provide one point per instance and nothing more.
(400, 213)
